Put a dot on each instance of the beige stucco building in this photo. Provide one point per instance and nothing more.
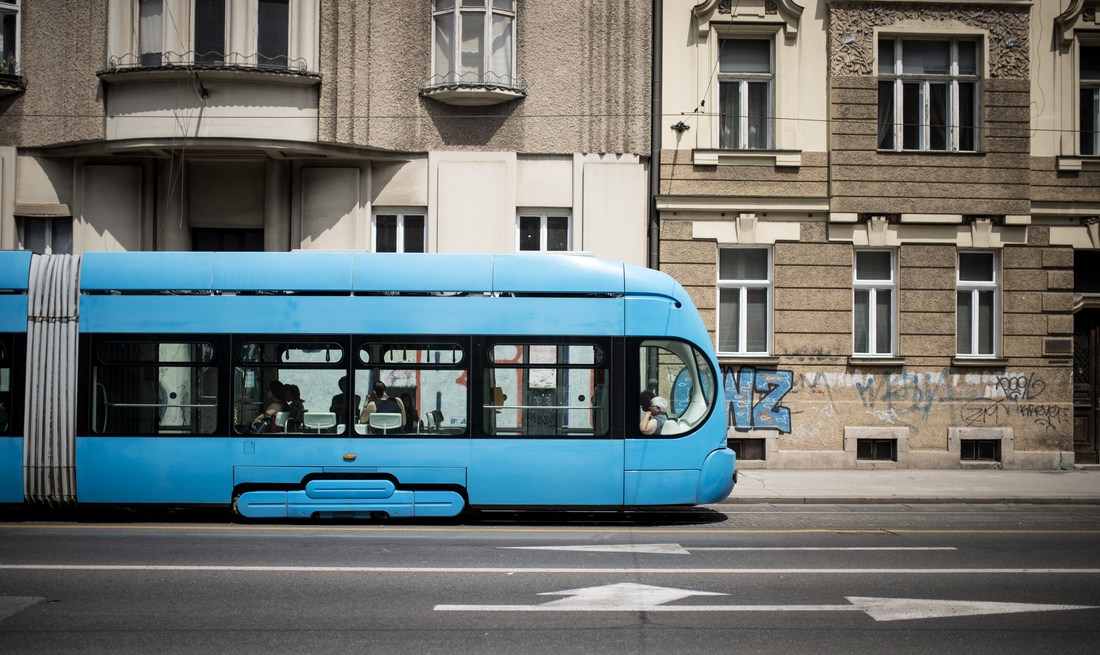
(325, 124)
(886, 212)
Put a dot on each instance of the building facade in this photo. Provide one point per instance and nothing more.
(435, 125)
(886, 212)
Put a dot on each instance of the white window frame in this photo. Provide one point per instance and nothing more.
(400, 213)
(742, 286)
(486, 12)
(177, 32)
(742, 80)
(12, 67)
(875, 287)
(893, 72)
(544, 215)
(974, 288)
(1088, 143)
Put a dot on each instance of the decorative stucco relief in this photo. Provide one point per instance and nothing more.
(852, 33)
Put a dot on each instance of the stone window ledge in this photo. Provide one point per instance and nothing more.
(777, 158)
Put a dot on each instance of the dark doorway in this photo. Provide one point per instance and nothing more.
(226, 240)
(1086, 357)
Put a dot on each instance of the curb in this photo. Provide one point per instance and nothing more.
(911, 500)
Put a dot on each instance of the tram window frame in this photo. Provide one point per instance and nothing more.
(145, 407)
(555, 420)
(446, 417)
(12, 370)
(670, 383)
(251, 378)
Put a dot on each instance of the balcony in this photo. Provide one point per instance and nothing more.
(11, 80)
(213, 95)
(473, 89)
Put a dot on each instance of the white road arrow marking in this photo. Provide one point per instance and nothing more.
(11, 605)
(627, 594)
(632, 597)
(904, 609)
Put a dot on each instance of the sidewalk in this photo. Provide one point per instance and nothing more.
(1081, 486)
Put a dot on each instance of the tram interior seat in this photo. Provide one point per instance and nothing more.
(433, 420)
(319, 421)
(280, 420)
(385, 422)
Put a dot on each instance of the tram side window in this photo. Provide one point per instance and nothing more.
(429, 379)
(547, 390)
(6, 395)
(287, 388)
(151, 388)
(681, 374)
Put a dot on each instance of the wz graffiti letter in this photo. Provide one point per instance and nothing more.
(765, 414)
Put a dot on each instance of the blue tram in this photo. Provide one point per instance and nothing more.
(310, 384)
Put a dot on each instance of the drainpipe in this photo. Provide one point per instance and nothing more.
(655, 137)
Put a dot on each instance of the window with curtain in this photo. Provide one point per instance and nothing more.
(977, 304)
(209, 32)
(400, 232)
(150, 32)
(746, 72)
(1090, 99)
(272, 33)
(928, 94)
(543, 232)
(874, 287)
(473, 42)
(744, 301)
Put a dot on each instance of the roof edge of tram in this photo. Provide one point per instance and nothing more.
(361, 273)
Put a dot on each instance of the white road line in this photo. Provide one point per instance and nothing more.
(843, 548)
(649, 608)
(537, 570)
(677, 549)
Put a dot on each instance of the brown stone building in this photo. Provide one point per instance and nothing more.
(887, 213)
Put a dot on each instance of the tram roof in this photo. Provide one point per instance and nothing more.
(15, 266)
(344, 272)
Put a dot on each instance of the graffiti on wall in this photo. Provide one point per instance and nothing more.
(755, 397)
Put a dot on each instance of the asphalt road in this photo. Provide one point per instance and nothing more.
(760, 579)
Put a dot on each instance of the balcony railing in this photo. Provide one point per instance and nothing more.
(473, 88)
(11, 79)
(191, 60)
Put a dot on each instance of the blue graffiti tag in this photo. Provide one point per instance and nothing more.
(765, 414)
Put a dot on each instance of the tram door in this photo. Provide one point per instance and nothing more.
(1086, 379)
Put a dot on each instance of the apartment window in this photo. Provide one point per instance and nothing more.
(272, 33)
(744, 301)
(209, 32)
(1090, 99)
(746, 71)
(9, 37)
(928, 94)
(875, 287)
(543, 232)
(150, 32)
(977, 304)
(47, 235)
(473, 42)
(400, 232)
